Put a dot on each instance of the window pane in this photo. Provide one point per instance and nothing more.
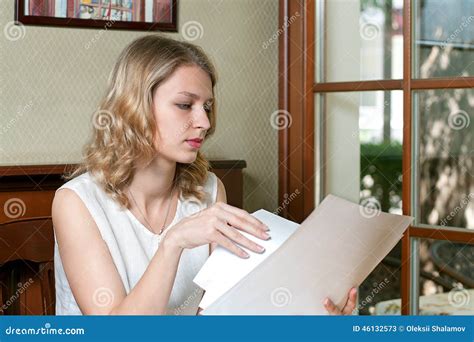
(363, 160)
(444, 38)
(446, 278)
(445, 157)
(363, 40)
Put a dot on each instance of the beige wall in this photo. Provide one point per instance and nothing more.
(51, 80)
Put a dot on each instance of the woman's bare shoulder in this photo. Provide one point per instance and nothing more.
(66, 202)
(70, 214)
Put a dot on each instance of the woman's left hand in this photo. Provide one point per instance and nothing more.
(350, 305)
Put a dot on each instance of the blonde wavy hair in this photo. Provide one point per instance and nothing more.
(124, 126)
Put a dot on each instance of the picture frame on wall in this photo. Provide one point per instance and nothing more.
(146, 15)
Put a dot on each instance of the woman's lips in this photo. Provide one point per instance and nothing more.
(195, 143)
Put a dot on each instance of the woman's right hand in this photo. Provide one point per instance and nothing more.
(221, 224)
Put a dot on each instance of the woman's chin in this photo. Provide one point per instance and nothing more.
(187, 158)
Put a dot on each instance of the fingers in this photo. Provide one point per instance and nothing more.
(245, 216)
(232, 247)
(236, 236)
(351, 302)
(331, 308)
(348, 307)
(242, 220)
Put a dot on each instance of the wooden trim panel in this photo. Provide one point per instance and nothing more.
(296, 139)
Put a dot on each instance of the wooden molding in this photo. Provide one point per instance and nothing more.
(329, 87)
(296, 140)
(406, 157)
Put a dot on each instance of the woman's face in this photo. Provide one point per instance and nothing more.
(181, 107)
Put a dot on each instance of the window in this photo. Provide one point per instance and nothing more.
(364, 161)
(394, 128)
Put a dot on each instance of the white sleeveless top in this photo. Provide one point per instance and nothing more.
(132, 246)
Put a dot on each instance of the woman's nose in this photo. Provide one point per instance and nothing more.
(201, 119)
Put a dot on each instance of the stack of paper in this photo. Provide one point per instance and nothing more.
(334, 249)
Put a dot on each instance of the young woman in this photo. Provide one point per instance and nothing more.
(139, 217)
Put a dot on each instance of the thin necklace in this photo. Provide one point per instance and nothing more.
(143, 216)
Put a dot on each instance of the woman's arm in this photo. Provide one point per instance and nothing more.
(221, 197)
(91, 272)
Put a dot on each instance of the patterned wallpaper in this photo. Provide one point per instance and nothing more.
(51, 80)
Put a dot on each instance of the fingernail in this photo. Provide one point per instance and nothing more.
(261, 249)
(267, 228)
(266, 235)
(246, 255)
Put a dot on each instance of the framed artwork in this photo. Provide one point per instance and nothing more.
(115, 14)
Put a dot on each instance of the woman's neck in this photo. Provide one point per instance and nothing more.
(152, 185)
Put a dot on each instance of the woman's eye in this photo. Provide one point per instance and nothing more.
(207, 108)
(186, 106)
(183, 106)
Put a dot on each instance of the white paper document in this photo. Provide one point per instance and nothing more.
(335, 248)
(216, 278)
